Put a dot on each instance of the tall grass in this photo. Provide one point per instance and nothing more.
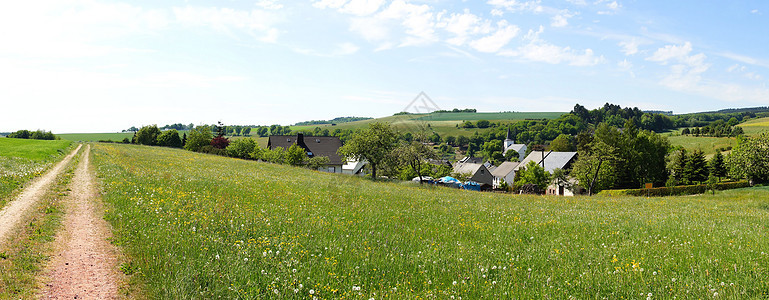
(199, 226)
(22, 159)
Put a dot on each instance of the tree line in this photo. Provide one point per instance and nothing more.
(35, 135)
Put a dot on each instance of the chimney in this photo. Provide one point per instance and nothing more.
(300, 138)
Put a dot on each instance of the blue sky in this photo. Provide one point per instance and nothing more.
(97, 66)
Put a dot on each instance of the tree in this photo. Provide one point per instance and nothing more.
(199, 137)
(511, 155)
(696, 170)
(276, 155)
(372, 144)
(685, 131)
(717, 167)
(170, 138)
(462, 141)
(246, 131)
(492, 150)
(597, 164)
(220, 142)
(148, 135)
(562, 143)
(532, 173)
(316, 162)
(184, 139)
(750, 158)
(413, 154)
(295, 155)
(483, 123)
(241, 148)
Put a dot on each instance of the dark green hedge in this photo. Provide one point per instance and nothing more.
(676, 190)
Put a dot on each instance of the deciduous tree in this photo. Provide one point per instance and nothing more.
(372, 144)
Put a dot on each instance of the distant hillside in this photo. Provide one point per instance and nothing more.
(332, 121)
(758, 109)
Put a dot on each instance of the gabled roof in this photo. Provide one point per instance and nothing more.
(467, 168)
(314, 145)
(504, 169)
(553, 160)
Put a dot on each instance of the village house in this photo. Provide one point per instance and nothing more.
(504, 172)
(477, 172)
(314, 146)
(550, 161)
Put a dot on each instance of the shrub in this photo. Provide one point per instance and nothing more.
(676, 190)
(148, 135)
(170, 138)
(213, 150)
(220, 142)
(241, 148)
(198, 138)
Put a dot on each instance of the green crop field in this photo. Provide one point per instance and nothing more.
(754, 127)
(95, 137)
(494, 116)
(22, 159)
(202, 226)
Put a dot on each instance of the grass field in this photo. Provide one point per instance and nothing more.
(494, 116)
(95, 137)
(201, 226)
(708, 145)
(22, 159)
(754, 127)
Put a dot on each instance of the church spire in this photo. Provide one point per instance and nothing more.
(508, 134)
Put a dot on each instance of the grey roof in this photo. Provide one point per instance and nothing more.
(504, 169)
(554, 160)
(317, 145)
(467, 168)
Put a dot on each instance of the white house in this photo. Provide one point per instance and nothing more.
(550, 161)
(506, 172)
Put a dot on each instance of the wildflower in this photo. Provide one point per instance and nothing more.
(722, 283)
(293, 270)
(454, 283)
(245, 259)
(217, 256)
(276, 291)
(715, 294)
(674, 279)
(654, 273)
(312, 292)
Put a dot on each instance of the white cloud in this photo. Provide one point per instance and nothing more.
(613, 7)
(630, 47)
(540, 51)
(353, 7)
(517, 6)
(463, 26)
(492, 43)
(269, 4)
(559, 21)
(755, 11)
(497, 12)
(671, 52)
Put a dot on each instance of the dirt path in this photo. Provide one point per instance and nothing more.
(13, 213)
(86, 267)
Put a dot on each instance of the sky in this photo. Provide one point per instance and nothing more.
(104, 66)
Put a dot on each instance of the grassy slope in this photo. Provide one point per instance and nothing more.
(200, 226)
(442, 123)
(754, 127)
(709, 145)
(22, 159)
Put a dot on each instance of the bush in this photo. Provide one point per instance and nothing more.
(220, 142)
(676, 190)
(148, 135)
(241, 148)
(199, 137)
(35, 135)
(213, 150)
(170, 138)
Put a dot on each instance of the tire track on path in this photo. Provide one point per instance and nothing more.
(12, 214)
(86, 268)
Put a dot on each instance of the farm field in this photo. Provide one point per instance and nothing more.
(202, 226)
(754, 127)
(94, 137)
(708, 145)
(442, 123)
(22, 159)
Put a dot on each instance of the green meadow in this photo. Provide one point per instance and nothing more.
(22, 159)
(202, 226)
(754, 127)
